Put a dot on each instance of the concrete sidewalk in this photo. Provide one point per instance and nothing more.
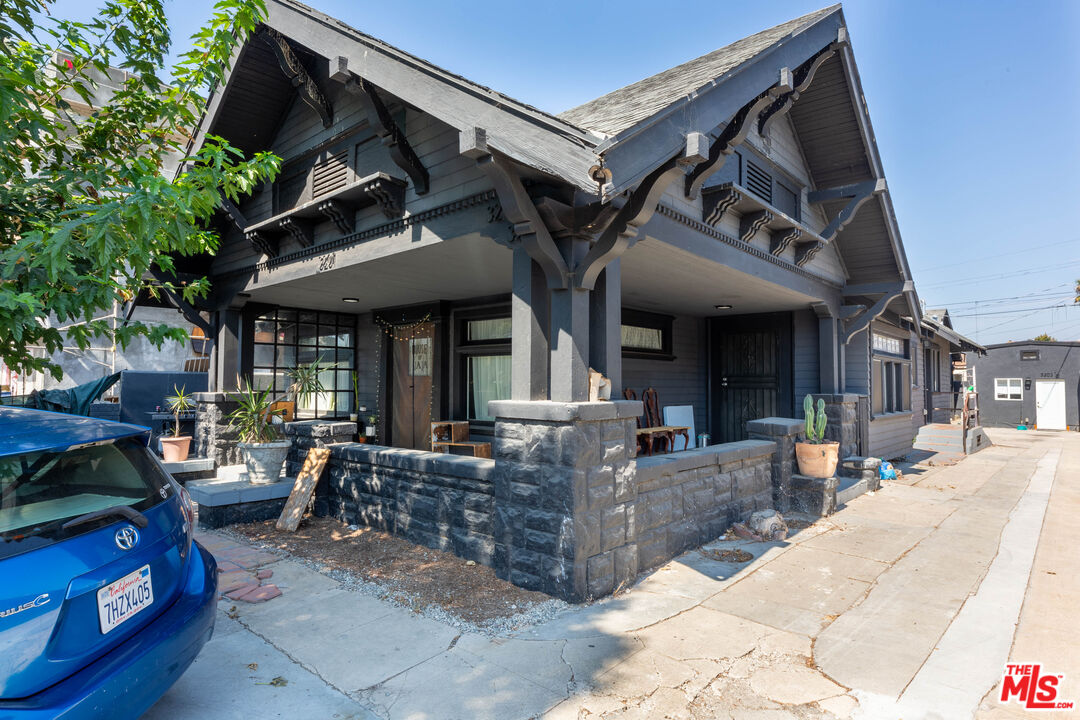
(874, 612)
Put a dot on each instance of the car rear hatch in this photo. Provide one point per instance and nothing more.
(93, 544)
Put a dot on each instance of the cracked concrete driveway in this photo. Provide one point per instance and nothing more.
(903, 604)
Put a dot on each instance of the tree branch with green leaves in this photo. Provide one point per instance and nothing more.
(86, 207)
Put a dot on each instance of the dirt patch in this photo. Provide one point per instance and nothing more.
(736, 555)
(412, 575)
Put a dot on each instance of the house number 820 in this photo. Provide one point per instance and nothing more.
(326, 262)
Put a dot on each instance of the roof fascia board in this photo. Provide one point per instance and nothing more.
(631, 154)
(214, 104)
(528, 136)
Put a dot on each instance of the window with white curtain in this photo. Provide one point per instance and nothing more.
(483, 351)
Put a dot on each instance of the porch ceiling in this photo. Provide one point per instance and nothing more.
(465, 267)
(660, 277)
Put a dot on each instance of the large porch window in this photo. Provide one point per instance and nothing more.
(285, 338)
(646, 335)
(483, 349)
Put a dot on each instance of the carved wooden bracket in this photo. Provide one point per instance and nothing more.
(262, 243)
(733, 134)
(718, 202)
(294, 70)
(781, 239)
(343, 217)
(804, 75)
(388, 194)
(189, 312)
(805, 252)
(380, 119)
(750, 223)
(857, 318)
(234, 213)
(856, 193)
(300, 230)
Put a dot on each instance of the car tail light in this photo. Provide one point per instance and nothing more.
(188, 508)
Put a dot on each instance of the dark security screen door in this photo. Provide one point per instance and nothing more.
(413, 364)
(751, 374)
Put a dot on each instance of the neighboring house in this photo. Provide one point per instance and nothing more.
(1029, 383)
(721, 232)
(103, 357)
(944, 366)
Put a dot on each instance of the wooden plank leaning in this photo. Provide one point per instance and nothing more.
(303, 487)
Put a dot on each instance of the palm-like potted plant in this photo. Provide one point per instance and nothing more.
(175, 447)
(817, 457)
(305, 381)
(261, 443)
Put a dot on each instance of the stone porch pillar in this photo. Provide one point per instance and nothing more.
(784, 432)
(563, 476)
(843, 427)
(214, 438)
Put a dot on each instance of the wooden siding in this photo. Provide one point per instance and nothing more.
(891, 435)
(918, 382)
(807, 378)
(682, 381)
(857, 364)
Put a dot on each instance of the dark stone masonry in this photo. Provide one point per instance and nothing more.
(564, 506)
(213, 436)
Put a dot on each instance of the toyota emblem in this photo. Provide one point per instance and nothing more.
(127, 538)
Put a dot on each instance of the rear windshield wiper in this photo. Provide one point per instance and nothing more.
(136, 517)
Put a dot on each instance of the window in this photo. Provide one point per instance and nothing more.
(483, 349)
(786, 200)
(1029, 354)
(286, 338)
(1008, 388)
(891, 374)
(646, 335)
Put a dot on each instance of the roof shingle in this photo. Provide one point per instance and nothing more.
(618, 110)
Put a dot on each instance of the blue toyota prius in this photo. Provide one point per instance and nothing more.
(105, 599)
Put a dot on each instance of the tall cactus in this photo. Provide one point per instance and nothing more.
(815, 423)
(808, 413)
(822, 420)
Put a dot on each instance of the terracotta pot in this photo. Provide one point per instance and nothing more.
(175, 449)
(817, 460)
(264, 460)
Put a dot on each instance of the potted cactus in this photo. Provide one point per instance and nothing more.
(817, 456)
(175, 447)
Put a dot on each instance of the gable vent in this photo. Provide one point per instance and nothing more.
(758, 181)
(330, 175)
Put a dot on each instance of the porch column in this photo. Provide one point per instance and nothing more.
(529, 318)
(828, 355)
(227, 345)
(570, 331)
(605, 325)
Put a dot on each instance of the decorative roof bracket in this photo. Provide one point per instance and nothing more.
(856, 194)
(190, 313)
(300, 230)
(342, 216)
(294, 71)
(781, 239)
(734, 133)
(263, 243)
(806, 251)
(750, 223)
(804, 75)
(380, 119)
(718, 203)
(857, 318)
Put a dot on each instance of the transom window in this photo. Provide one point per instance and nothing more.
(646, 335)
(1008, 388)
(889, 344)
(1029, 354)
(285, 338)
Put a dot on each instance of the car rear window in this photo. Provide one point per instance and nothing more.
(41, 491)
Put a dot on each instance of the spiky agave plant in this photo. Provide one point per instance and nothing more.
(180, 402)
(306, 381)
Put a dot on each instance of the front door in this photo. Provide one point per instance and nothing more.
(1050, 404)
(413, 362)
(751, 374)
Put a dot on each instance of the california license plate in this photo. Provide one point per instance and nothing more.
(121, 600)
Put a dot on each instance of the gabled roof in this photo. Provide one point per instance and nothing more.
(938, 321)
(616, 111)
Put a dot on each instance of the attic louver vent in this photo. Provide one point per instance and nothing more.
(330, 175)
(758, 181)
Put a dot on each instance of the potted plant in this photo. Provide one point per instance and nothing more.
(369, 431)
(817, 457)
(175, 447)
(354, 416)
(260, 441)
(305, 383)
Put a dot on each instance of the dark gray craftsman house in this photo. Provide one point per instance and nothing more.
(721, 232)
(1030, 383)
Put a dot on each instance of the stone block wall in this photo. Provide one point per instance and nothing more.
(842, 412)
(441, 501)
(785, 432)
(213, 437)
(688, 499)
(307, 434)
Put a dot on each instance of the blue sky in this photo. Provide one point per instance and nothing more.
(974, 104)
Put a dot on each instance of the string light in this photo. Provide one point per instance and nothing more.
(398, 332)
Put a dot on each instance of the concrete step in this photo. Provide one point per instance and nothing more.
(849, 488)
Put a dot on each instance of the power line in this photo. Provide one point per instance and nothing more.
(967, 280)
(1010, 312)
(991, 257)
